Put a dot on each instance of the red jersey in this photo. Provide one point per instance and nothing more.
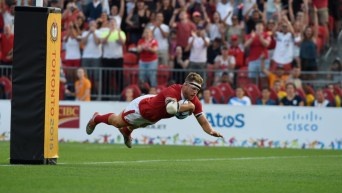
(256, 48)
(184, 30)
(154, 108)
(6, 47)
(239, 56)
(146, 56)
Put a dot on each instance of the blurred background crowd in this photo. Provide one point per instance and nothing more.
(268, 52)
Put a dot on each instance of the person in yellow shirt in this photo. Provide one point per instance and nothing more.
(279, 75)
(82, 86)
(278, 89)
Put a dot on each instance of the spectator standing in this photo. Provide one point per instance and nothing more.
(72, 50)
(224, 63)
(161, 34)
(117, 14)
(167, 9)
(283, 52)
(237, 51)
(214, 50)
(197, 46)
(291, 99)
(82, 86)
(92, 51)
(225, 9)
(6, 46)
(113, 41)
(235, 30)
(184, 28)
(70, 14)
(216, 27)
(257, 42)
(323, 16)
(93, 10)
(137, 20)
(308, 49)
(181, 63)
(148, 63)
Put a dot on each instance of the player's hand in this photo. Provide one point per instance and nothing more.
(191, 106)
(216, 134)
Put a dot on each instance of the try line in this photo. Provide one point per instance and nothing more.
(193, 160)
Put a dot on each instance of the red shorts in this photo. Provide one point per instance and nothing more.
(72, 63)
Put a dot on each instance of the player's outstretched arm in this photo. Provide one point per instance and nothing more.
(207, 127)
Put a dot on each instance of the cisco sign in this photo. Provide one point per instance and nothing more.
(299, 122)
(226, 121)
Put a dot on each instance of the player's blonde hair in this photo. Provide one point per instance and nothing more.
(194, 77)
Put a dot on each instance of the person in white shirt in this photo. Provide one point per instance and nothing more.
(247, 5)
(92, 51)
(225, 9)
(224, 63)
(113, 41)
(240, 99)
(161, 34)
(320, 100)
(117, 14)
(283, 53)
(197, 45)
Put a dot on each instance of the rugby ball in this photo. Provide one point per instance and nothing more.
(185, 114)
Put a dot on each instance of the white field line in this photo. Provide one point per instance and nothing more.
(203, 159)
(193, 160)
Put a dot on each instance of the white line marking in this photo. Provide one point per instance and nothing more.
(202, 160)
(193, 160)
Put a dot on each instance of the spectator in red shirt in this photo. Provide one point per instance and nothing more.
(323, 15)
(148, 63)
(237, 52)
(7, 46)
(184, 28)
(257, 42)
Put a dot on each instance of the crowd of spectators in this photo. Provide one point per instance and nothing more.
(275, 40)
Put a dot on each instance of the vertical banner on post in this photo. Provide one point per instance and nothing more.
(52, 85)
(35, 78)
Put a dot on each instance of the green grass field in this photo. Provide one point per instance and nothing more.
(101, 168)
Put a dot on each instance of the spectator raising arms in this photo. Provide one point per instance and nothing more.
(197, 46)
(257, 42)
(161, 34)
(148, 63)
(113, 40)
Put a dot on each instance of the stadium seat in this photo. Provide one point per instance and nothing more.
(253, 90)
(329, 96)
(130, 59)
(242, 77)
(163, 74)
(338, 91)
(226, 90)
(217, 94)
(131, 74)
(7, 85)
(301, 93)
(136, 91)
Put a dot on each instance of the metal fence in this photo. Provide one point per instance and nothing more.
(108, 83)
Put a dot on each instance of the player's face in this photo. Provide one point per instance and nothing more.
(190, 92)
